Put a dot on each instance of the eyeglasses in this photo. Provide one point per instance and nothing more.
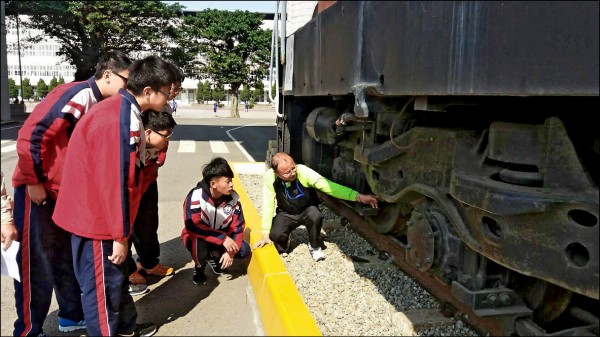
(290, 172)
(166, 137)
(125, 79)
(287, 193)
(168, 94)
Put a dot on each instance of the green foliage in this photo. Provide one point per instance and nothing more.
(234, 46)
(61, 80)
(27, 89)
(53, 84)
(218, 93)
(13, 90)
(203, 92)
(42, 88)
(88, 29)
(245, 94)
(258, 93)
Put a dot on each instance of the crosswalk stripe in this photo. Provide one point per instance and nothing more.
(218, 146)
(186, 146)
(6, 141)
(10, 148)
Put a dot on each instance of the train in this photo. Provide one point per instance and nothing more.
(473, 122)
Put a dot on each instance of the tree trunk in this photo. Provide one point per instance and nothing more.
(234, 113)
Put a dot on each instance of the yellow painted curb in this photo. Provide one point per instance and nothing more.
(282, 309)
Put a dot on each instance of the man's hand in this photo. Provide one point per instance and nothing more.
(265, 240)
(367, 199)
(37, 193)
(9, 233)
(226, 260)
(230, 245)
(119, 251)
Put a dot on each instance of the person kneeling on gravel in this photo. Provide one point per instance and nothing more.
(294, 188)
(214, 221)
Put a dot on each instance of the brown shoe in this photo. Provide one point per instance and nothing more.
(136, 278)
(158, 270)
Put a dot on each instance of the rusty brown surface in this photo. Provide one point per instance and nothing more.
(323, 5)
(437, 289)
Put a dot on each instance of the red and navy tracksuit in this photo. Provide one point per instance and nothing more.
(100, 195)
(208, 223)
(44, 257)
(144, 236)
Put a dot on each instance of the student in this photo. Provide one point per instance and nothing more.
(101, 191)
(294, 188)
(214, 221)
(44, 257)
(145, 227)
(9, 230)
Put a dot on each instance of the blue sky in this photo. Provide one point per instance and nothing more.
(253, 6)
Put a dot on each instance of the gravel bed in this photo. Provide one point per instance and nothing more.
(353, 292)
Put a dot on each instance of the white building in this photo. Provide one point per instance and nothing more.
(38, 61)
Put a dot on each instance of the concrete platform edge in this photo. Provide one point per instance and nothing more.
(282, 309)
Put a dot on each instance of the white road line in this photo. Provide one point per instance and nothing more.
(186, 146)
(235, 141)
(10, 148)
(5, 141)
(218, 146)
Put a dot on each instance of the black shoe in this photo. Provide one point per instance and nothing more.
(199, 277)
(215, 265)
(138, 289)
(145, 330)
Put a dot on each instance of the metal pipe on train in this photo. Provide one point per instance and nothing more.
(473, 121)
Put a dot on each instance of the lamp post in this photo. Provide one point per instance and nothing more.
(19, 54)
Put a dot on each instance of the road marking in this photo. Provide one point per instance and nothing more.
(218, 146)
(10, 148)
(6, 141)
(235, 141)
(186, 146)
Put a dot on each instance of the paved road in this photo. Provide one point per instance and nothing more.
(182, 308)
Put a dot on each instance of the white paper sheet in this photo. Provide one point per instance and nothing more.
(9, 261)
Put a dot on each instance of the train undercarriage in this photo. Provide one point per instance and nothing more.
(500, 207)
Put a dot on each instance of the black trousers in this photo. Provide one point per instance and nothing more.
(284, 223)
(144, 236)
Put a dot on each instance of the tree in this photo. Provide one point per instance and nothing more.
(233, 45)
(258, 93)
(218, 93)
(88, 29)
(245, 93)
(53, 84)
(203, 92)
(27, 89)
(61, 80)
(42, 88)
(13, 90)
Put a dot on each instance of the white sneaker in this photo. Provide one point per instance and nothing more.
(317, 254)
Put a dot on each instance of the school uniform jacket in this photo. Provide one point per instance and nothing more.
(102, 180)
(213, 222)
(43, 139)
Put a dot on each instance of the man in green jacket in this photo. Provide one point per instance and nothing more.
(294, 188)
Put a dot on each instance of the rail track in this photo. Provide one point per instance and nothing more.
(486, 326)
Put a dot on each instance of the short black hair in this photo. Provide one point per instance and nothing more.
(151, 71)
(179, 75)
(158, 120)
(114, 60)
(218, 167)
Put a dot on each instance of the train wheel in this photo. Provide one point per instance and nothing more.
(389, 219)
(546, 300)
